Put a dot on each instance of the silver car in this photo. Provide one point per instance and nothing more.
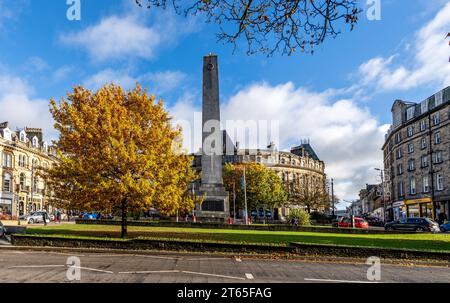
(37, 217)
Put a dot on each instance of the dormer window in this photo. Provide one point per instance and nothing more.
(23, 136)
(35, 142)
(7, 134)
(45, 146)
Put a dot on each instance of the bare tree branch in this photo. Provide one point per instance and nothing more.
(269, 26)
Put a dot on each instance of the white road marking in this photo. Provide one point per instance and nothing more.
(37, 266)
(212, 275)
(249, 276)
(93, 269)
(148, 272)
(205, 258)
(339, 281)
(238, 259)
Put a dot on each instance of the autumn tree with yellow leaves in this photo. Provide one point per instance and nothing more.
(118, 151)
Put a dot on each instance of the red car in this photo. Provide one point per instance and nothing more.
(347, 222)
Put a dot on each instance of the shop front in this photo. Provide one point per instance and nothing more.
(419, 208)
(443, 211)
(397, 211)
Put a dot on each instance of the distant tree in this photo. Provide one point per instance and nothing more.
(118, 151)
(268, 26)
(264, 186)
(309, 195)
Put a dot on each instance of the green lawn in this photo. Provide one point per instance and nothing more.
(435, 242)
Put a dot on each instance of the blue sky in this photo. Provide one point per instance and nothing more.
(340, 97)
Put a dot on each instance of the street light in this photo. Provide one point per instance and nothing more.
(382, 192)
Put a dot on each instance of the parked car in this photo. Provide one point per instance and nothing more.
(36, 217)
(374, 221)
(2, 230)
(347, 222)
(90, 216)
(413, 224)
(445, 227)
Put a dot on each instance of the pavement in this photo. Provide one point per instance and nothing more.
(52, 266)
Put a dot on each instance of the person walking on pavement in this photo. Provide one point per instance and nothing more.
(44, 217)
(55, 215)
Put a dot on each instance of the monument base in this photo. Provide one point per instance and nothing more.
(215, 206)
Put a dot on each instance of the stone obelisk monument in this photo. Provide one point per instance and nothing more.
(215, 204)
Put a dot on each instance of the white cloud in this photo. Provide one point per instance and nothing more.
(158, 82)
(107, 76)
(131, 35)
(18, 108)
(428, 64)
(344, 135)
(116, 37)
(62, 73)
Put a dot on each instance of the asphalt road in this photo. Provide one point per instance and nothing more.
(41, 266)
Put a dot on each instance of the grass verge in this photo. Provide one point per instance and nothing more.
(421, 242)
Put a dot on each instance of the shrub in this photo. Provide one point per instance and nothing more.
(300, 214)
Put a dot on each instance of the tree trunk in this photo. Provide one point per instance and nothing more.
(124, 219)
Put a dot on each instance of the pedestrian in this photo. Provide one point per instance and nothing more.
(44, 217)
(58, 216)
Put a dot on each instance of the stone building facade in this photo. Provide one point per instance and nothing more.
(371, 200)
(300, 164)
(417, 158)
(22, 153)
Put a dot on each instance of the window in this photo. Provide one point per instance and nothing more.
(440, 182)
(423, 125)
(22, 181)
(7, 160)
(23, 136)
(410, 131)
(34, 164)
(410, 113)
(400, 189)
(398, 137)
(437, 138)
(400, 169)
(411, 165)
(410, 148)
(438, 157)
(397, 118)
(438, 98)
(35, 142)
(35, 184)
(425, 185)
(436, 119)
(423, 143)
(412, 186)
(424, 161)
(7, 135)
(399, 153)
(7, 182)
(424, 106)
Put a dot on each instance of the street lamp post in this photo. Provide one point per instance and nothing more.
(382, 192)
(332, 196)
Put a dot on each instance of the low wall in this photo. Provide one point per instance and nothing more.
(299, 249)
(273, 227)
(146, 244)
